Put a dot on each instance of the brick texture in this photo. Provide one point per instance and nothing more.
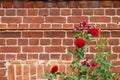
(34, 35)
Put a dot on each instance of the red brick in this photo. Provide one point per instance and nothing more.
(3, 26)
(32, 49)
(115, 69)
(99, 12)
(115, 62)
(43, 12)
(35, 26)
(77, 19)
(73, 4)
(11, 41)
(32, 34)
(115, 34)
(39, 4)
(113, 56)
(18, 4)
(110, 11)
(113, 26)
(116, 49)
(116, 4)
(106, 4)
(51, 4)
(10, 49)
(83, 4)
(45, 26)
(56, 42)
(32, 56)
(21, 12)
(94, 4)
(87, 11)
(55, 19)
(26, 72)
(44, 56)
(32, 69)
(11, 20)
(67, 41)
(29, 4)
(2, 41)
(40, 71)
(76, 12)
(21, 56)
(55, 56)
(12, 26)
(51, 34)
(62, 4)
(10, 56)
(45, 41)
(2, 72)
(114, 42)
(118, 11)
(55, 11)
(23, 26)
(55, 49)
(105, 34)
(70, 34)
(2, 12)
(3, 78)
(66, 57)
(56, 26)
(62, 68)
(68, 26)
(2, 56)
(10, 34)
(100, 19)
(18, 69)
(65, 12)
(115, 19)
(10, 12)
(33, 19)
(22, 41)
(7, 4)
(19, 78)
(89, 56)
(32, 12)
(34, 42)
(2, 64)
(11, 74)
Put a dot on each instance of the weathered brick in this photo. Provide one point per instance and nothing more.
(21, 12)
(28, 4)
(39, 4)
(45, 41)
(110, 11)
(65, 12)
(10, 56)
(66, 57)
(88, 12)
(67, 41)
(55, 56)
(7, 4)
(40, 71)
(32, 56)
(10, 12)
(73, 4)
(76, 12)
(34, 42)
(98, 11)
(114, 42)
(44, 56)
(18, 4)
(55, 11)
(18, 69)
(2, 12)
(2, 56)
(11, 42)
(32, 69)
(56, 42)
(21, 56)
(43, 12)
(2, 41)
(2, 72)
(11, 74)
(32, 12)
(22, 41)
(115, 33)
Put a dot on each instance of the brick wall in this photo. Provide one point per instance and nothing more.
(36, 35)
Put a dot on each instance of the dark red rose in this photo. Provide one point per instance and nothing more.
(84, 24)
(54, 69)
(93, 32)
(79, 42)
(94, 64)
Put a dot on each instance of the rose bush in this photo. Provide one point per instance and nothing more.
(97, 68)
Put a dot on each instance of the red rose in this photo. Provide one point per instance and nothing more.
(79, 42)
(54, 69)
(93, 31)
(94, 64)
(84, 24)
